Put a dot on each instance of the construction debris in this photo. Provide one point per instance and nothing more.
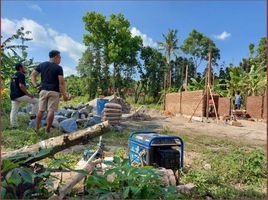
(113, 113)
(126, 107)
(236, 123)
(139, 114)
(186, 189)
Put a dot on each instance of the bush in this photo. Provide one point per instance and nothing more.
(129, 183)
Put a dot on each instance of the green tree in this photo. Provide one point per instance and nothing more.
(179, 72)
(75, 85)
(261, 50)
(170, 45)
(222, 79)
(257, 56)
(89, 69)
(116, 44)
(151, 71)
(197, 46)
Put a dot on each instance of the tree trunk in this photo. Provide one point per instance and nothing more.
(55, 144)
(170, 78)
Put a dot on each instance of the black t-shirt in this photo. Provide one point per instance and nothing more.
(15, 91)
(49, 76)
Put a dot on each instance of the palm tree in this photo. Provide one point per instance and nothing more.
(170, 46)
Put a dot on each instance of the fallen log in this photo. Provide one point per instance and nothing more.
(51, 146)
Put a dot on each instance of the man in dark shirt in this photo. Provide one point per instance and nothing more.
(52, 85)
(19, 93)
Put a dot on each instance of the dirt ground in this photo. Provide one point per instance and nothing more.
(250, 133)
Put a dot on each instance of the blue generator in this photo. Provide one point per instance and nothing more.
(151, 148)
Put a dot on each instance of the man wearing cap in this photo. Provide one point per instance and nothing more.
(19, 93)
(52, 86)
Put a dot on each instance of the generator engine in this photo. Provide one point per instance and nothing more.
(151, 148)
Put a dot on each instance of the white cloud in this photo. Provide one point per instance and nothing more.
(35, 7)
(66, 44)
(38, 32)
(147, 41)
(223, 35)
(45, 37)
(52, 32)
(69, 71)
(8, 26)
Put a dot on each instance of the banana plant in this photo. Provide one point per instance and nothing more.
(237, 81)
(196, 85)
(256, 80)
(10, 55)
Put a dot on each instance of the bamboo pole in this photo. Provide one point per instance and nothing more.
(164, 100)
(214, 105)
(196, 108)
(208, 82)
(182, 71)
(186, 77)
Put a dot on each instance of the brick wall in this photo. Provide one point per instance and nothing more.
(189, 102)
(224, 106)
(254, 106)
(173, 102)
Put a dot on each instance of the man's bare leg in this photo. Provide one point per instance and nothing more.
(38, 119)
(50, 118)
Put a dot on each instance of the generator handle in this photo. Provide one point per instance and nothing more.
(182, 151)
(141, 132)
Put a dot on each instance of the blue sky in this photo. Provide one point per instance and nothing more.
(58, 24)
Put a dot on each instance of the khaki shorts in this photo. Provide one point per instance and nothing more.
(49, 100)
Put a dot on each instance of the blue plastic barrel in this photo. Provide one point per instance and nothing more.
(100, 105)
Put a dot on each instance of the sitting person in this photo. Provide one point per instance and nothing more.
(19, 93)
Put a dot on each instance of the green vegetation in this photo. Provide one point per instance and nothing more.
(129, 183)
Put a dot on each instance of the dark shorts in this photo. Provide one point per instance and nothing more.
(237, 107)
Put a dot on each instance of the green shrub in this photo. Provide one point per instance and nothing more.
(129, 183)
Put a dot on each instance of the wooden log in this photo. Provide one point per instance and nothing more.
(51, 146)
(66, 189)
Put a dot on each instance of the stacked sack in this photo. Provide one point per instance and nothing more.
(113, 113)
